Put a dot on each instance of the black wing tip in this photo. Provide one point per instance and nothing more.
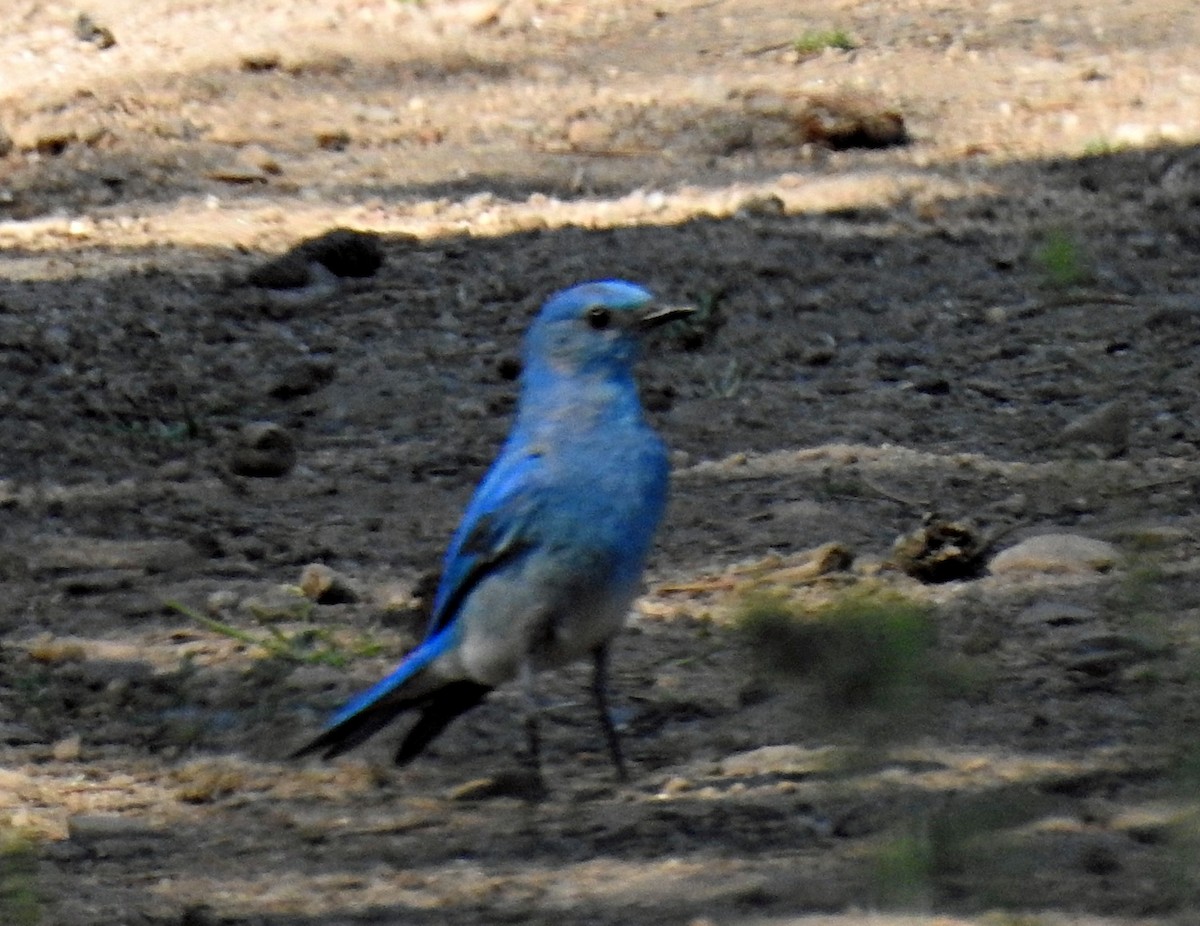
(324, 744)
(438, 710)
(437, 713)
(349, 733)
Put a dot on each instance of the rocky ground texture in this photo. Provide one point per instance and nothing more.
(921, 638)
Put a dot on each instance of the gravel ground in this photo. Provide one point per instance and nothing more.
(949, 293)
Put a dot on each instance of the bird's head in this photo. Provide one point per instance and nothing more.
(595, 327)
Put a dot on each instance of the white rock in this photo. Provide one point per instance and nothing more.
(1059, 553)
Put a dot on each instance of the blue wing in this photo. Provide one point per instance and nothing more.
(413, 663)
(494, 530)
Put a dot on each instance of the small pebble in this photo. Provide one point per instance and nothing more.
(327, 586)
(88, 30)
(676, 785)
(588, 133)
(261, 60)
(67, 750)
(332, 139)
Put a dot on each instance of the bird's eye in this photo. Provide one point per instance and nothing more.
(598, 317)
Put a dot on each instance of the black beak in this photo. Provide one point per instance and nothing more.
(654, 316)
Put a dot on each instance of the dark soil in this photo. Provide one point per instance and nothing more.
(994, 324)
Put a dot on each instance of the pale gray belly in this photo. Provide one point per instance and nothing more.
(535, 614)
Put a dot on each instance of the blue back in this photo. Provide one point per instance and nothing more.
(578, 409)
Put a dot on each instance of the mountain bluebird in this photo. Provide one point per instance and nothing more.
(550, 551)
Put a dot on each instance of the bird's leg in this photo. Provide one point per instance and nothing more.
(600, 693)
(533, 739)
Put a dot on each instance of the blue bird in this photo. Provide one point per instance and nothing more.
(550, 551)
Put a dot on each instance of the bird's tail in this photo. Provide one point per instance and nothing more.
(437, 712)
(406, 688)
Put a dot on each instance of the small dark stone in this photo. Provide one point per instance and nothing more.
(288, 271)
(509, 368)
(659, 399)
(332, 139)
(263, 450)
(941, 551)
(260, 61)
(200, 915)
(935, 385)
(88, 30)
(207, 544)
(344, 252)
(98, 581)
(754, 692)
(304, 378)
(1099, 860)
(426, 585)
